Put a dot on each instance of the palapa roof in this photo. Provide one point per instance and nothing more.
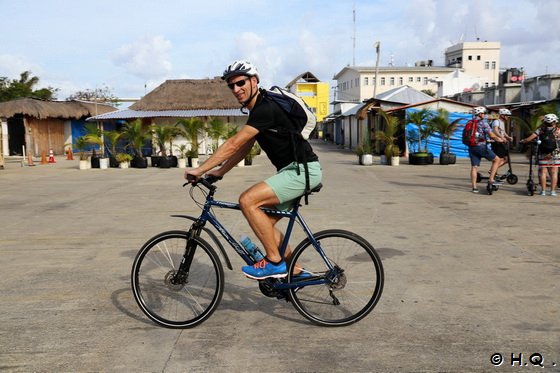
(43, 109)
(188, 94)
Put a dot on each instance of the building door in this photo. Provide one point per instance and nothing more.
(16, 135)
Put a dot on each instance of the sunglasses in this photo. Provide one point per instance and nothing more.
(239, 83)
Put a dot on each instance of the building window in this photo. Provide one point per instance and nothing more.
(493, 65)
(478, 58)
(418, 79)
(486, 65)
(366, 79)
(357, 82)
(372, 81)
(383, 81)
(425, 80)
(401, 80)
(470, 58)
(410, 79)
(392, 81)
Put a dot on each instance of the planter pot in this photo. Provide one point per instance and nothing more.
(164, 162)
(104, 163)
(182, 163)
(172, 161)
(395, 161)
(84, 164)
(123, 165)
(194, 162)
(113, 162)
(155, 160)
(447, 158)
(248, 161)
(421, 158)
(95, 162)
(139, 162)
(367, 159)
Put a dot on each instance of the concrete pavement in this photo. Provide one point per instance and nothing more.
(466, 276)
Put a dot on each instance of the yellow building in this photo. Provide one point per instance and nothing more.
(314, 92)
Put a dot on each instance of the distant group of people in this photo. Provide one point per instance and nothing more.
(494, 133)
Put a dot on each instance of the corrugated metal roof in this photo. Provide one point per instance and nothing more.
(133, 114)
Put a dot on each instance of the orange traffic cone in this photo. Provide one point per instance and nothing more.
(69, 155)
(30, 159)
(43, 158)
(51, 156)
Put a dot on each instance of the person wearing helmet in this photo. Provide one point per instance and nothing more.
(265, 117)
(499, 129)
(480, 149)
(548, 151)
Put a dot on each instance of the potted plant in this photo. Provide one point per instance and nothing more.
(189, 128)
(113, 137)
(366, 157)
(389, 136)
(182, 159)
(441, 125)
(192, 157)
(94, 137)
(216, 130)
(137, 134)
(420, 119)
(164, 134)
(123, 159)
(81, 145)
(359, 152)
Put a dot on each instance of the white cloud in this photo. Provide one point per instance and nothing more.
(12, 66)
(147, 57)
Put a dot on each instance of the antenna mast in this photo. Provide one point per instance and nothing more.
(354, 36)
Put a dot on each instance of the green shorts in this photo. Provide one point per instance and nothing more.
(288, 185)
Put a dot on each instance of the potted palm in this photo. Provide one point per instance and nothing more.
(123, 159)
(94, 137)
(81, 145)
(389, 136)
(255, 149)
(420, 119)
(182, 159)
(217, 130)
(441, 125)
(164, 135)
(190, 128)
(137, 134)
(365, 148)
(113, 137)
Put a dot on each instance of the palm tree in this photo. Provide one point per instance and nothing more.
(137, 134)
(216, 129)
(389, 135)
(440, 124)
(190, 128)
(94, 136)
(419, 119)
(164, 135)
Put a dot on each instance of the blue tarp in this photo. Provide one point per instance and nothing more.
(434, 141)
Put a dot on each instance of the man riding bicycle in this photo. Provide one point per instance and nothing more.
(265, 118)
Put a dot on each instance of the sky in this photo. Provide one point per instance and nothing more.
(131, 47)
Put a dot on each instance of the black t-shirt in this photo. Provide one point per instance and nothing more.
(266, 117)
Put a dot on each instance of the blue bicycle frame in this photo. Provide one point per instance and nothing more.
(293, 215)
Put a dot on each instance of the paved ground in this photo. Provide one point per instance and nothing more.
(467, 276)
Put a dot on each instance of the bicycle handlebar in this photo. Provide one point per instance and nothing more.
(207, 181)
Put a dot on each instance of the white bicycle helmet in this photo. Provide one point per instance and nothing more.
(550, 118)
(240, 68)
(504, 112)
(479, 110)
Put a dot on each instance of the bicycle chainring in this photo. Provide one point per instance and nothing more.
(267, 288)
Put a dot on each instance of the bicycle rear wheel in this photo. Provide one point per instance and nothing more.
(164, 297)
(351, 291)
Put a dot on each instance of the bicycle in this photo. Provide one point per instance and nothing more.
(177, 276)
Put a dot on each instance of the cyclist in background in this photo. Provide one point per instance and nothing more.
(279, 190)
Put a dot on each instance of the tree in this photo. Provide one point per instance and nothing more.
(441, 125)
(24, 87)
(190, 128)
(419, 119)
(103, 95)
(217, 130)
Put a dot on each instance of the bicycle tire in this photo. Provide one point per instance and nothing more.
(363, 272)
(176, 305)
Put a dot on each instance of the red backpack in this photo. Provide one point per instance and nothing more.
(469, 133)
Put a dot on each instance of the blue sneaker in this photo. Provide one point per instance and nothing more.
(265, 269)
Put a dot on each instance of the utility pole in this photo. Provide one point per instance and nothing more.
(377, 50)
(354, 36)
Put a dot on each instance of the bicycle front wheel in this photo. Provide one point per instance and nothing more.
(172, 299)
(352, 288)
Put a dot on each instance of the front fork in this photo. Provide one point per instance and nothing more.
(181, 276)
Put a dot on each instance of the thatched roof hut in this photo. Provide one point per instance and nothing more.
(188, 94)
(42, 109)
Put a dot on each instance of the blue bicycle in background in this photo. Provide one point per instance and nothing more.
(178, 278)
